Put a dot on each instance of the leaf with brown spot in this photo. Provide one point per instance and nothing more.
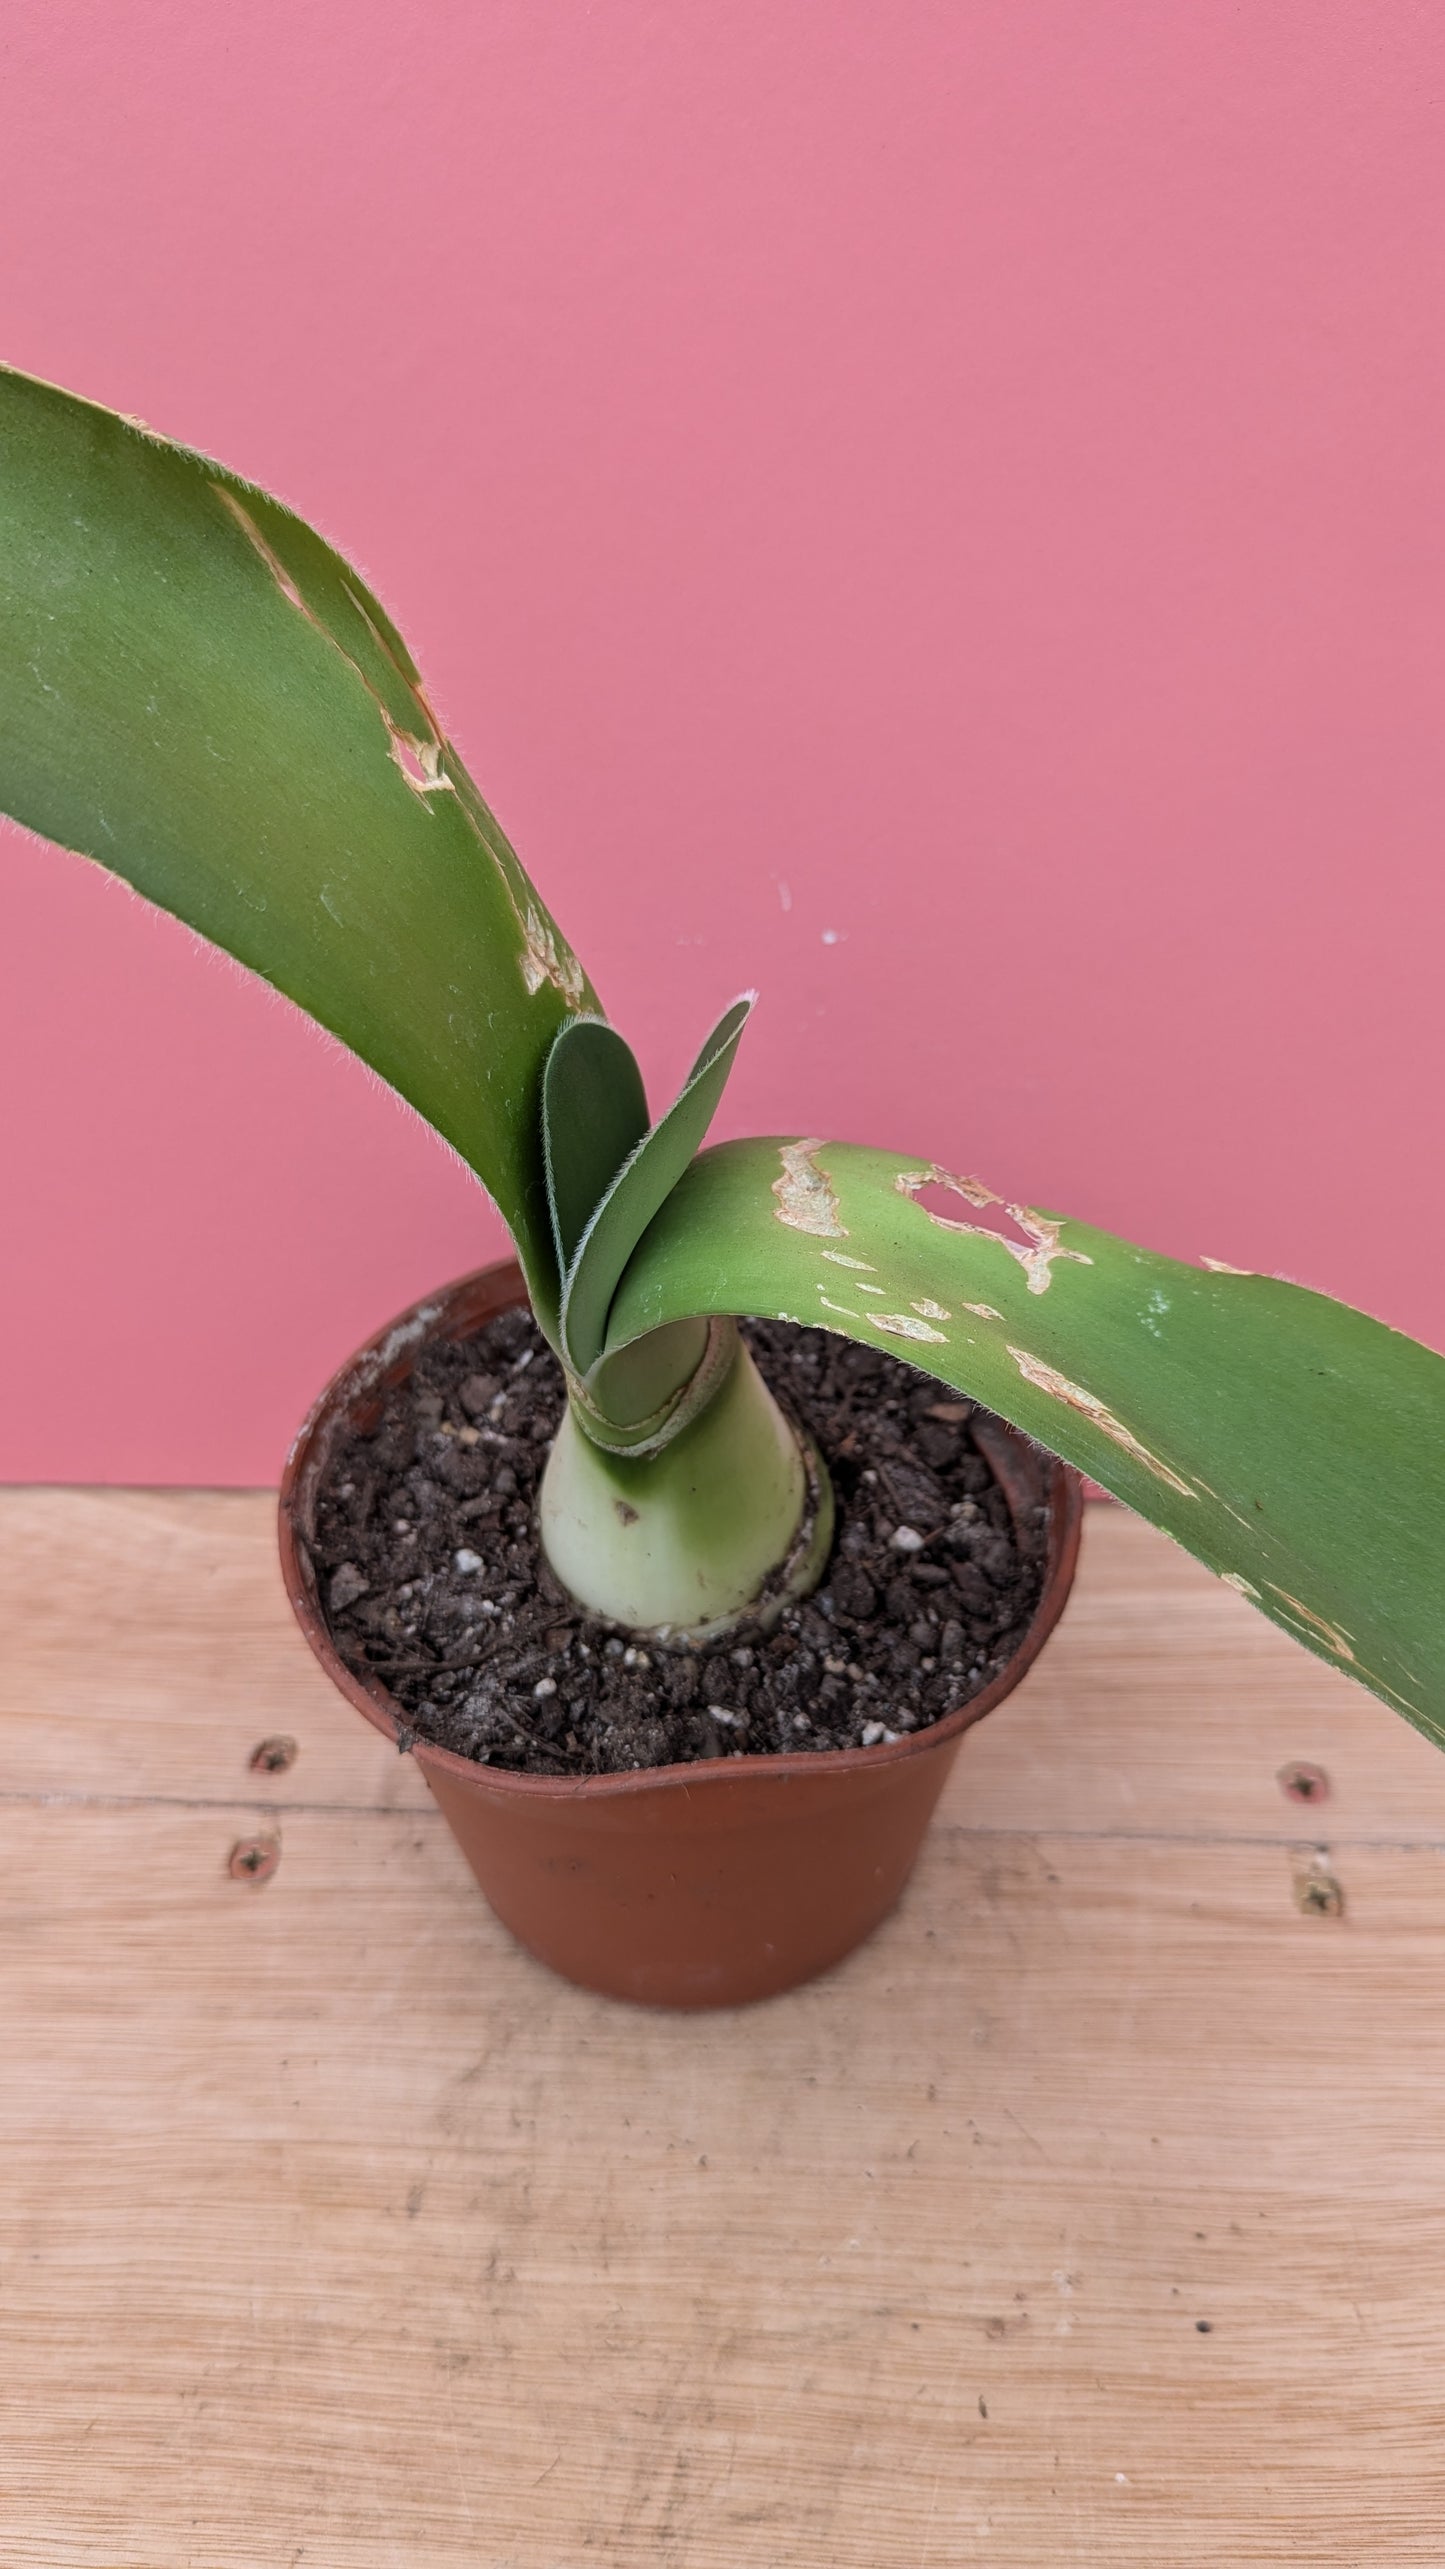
(200, 694)
(1294, 1445)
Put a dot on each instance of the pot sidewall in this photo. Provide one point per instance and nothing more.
(704, 1885)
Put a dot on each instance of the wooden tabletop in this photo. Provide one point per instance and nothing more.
(1095, 2214)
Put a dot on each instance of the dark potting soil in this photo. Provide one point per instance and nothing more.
(430, 1573)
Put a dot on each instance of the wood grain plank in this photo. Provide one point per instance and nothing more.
(334, 2230)
(147, 1648)
(1166, 1704)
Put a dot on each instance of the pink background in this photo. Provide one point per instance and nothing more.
(934, 509)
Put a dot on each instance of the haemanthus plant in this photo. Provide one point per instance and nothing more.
(196, 691)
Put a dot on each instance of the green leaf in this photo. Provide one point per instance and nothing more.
(199, 693)
(638, 1189)
(1294, 1445)
(594, 1114)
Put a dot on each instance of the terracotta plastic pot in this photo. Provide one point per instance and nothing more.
(679, 1886)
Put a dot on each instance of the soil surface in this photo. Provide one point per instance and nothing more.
(431, 1577)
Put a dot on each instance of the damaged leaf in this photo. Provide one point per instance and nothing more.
(806, 1201)
(1040, 1244)
(197, 692)
(1291, 1443)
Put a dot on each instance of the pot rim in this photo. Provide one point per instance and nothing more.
(409, 1330)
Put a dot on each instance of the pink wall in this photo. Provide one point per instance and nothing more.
(935, 509)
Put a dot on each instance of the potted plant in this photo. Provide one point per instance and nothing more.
(559, 1504)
